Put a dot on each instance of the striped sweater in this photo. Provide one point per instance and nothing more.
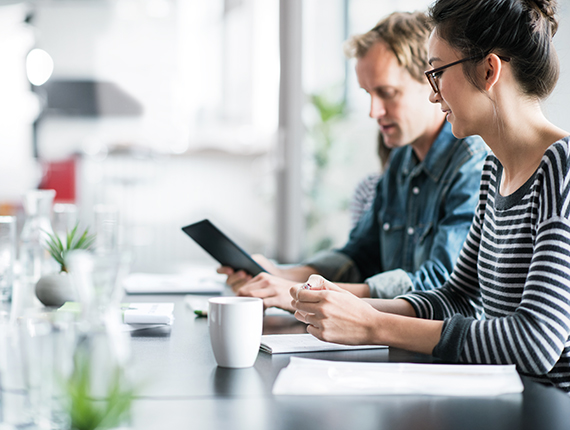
(508, 299)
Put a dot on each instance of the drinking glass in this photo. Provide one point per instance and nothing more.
(15, 404)
(102, 354)
(48, 343)
(64, 219)
(7, 256)
(35, 259)
(106, 228)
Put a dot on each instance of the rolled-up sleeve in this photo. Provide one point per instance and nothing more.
(335, 266)
(389, 284)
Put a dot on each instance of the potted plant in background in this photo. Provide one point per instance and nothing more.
(329, 109)
(55, 289)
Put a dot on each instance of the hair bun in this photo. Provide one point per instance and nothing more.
(548, 9)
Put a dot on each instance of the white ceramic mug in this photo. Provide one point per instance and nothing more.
(235, 324)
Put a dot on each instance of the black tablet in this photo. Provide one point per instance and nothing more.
(221, 247)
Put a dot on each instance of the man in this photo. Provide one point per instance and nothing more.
(411, 236)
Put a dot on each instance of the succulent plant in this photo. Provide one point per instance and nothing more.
(73, 240)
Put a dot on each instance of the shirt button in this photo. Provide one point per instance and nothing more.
(416, 190)
(386, 226)
(410, 230)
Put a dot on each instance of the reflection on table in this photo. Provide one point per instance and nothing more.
(181, 387)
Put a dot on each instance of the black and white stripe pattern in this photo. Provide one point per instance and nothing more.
(514, 273)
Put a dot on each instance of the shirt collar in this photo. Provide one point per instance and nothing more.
(436, 158)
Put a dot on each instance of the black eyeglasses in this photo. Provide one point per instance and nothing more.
(433, 75)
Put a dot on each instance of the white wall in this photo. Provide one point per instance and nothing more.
(228, 174)
(18, 106)
(556, 106)
(210, 158)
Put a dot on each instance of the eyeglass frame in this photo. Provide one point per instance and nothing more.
(432, 79)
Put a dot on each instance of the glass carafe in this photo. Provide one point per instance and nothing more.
(35, 260)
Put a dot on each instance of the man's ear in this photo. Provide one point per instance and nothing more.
(493, 68)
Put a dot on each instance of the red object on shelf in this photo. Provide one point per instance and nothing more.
(60, 176)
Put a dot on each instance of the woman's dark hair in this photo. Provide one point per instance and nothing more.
(519, 29)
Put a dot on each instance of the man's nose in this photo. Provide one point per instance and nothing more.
(377, 108)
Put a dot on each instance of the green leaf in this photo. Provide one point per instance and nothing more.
(88, 413)
(80, 243)
(71, 235)
(58, 251)
(57, 241)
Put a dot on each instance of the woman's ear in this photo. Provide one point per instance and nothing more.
(493, 68)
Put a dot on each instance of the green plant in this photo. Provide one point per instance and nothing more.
(331, 108)
(89, 413)
(329, 111)
(73, 241)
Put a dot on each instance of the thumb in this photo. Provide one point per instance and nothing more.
(265, 263)
(225, 270)
(317, 282)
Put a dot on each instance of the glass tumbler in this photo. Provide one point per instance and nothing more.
(7, 256)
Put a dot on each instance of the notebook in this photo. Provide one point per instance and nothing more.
(304, 342)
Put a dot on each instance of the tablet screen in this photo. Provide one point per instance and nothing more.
(221, 247)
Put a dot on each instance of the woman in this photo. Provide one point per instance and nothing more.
(508, 299)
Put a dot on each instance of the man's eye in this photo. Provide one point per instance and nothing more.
(437, 75)
(387, 94)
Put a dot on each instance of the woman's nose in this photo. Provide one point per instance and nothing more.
(434, 97)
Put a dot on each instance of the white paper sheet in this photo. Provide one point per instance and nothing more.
(149, 313)
(197, 281)
(320, 377)
(290, 343)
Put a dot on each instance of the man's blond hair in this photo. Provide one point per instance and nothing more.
(405, 33)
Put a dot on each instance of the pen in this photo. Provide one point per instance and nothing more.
(201, 313)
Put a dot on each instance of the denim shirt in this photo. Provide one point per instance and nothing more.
(411, 236)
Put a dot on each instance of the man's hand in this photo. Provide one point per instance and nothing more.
(237, 279)
(273, 290)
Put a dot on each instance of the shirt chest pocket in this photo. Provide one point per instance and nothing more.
(392, 231)
(423, 244)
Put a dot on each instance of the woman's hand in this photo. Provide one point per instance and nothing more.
(334, 314)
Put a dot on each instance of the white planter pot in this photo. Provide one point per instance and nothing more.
(55, 289)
